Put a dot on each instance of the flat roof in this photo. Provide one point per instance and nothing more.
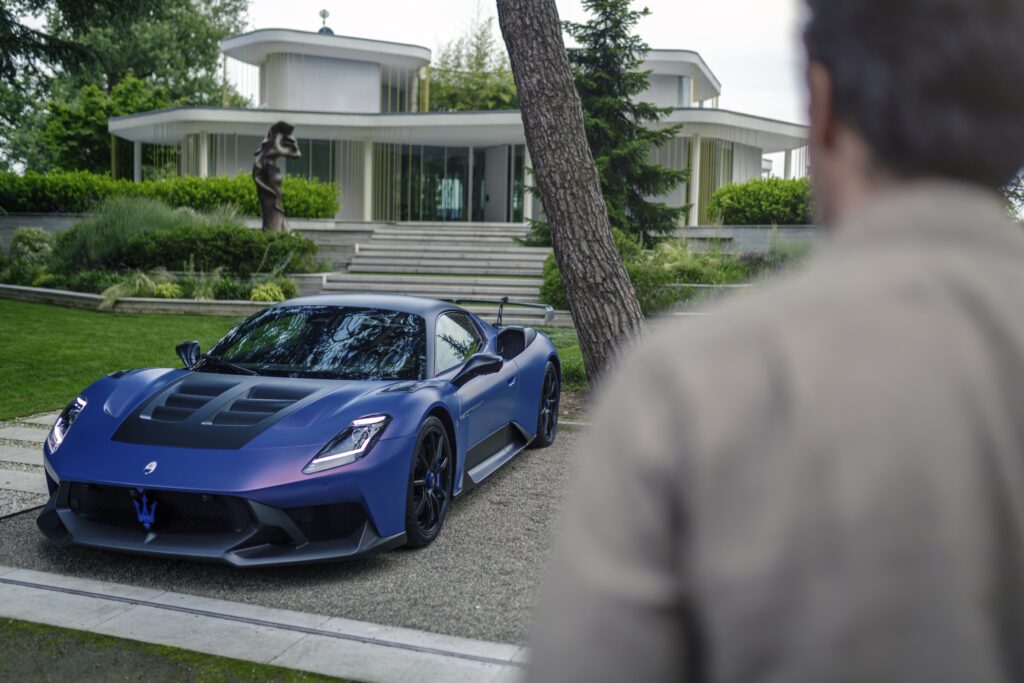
(685, 63)
(453, 129)
(254, 47)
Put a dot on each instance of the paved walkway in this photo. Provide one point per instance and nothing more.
(310, 642)
(22, 478)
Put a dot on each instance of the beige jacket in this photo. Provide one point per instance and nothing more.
(823, 481)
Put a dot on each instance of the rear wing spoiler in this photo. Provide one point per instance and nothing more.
(549, 312)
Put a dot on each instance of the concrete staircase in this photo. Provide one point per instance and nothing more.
(469, 262)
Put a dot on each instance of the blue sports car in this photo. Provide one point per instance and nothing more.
(321, 428)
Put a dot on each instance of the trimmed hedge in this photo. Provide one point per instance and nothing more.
(81, 191)
(771, 201)
(239, 251)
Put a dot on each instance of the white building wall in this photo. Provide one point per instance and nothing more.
(305, 83)
(668, 91)
(747, 163)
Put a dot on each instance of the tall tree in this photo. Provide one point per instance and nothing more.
(600, 294)
(621, 129)
(472, 73)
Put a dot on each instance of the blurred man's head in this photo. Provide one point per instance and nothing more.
(913, 89)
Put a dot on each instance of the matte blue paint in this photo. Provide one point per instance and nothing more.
(268, 469)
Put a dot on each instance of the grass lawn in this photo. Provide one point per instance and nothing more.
(34, 652)
(50, 353)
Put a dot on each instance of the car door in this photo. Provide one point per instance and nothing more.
(487, 401)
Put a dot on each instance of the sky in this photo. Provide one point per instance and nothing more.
(751, 45)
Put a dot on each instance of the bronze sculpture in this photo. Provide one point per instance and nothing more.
(268, 177)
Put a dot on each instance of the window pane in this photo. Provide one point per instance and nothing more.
(457, 340)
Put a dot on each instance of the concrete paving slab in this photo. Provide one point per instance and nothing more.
(29, 434)
(25, 456)
(238, 640)
(22, 481)
(45, 420)
(55, 609)
(345, 648)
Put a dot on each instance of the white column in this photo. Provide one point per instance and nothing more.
(137, 161)
(694, 184)
(789, 164)
(204, 155)
(528, 197)
(367, 180)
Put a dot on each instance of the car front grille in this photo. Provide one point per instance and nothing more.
(175, 512)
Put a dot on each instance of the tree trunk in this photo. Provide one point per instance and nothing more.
(601, 296)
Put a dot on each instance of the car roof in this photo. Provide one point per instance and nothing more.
(389, 302)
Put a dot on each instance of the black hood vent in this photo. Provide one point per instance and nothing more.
(205, 410)
(259, 403)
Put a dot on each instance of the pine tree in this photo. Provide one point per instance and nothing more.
(622, 131)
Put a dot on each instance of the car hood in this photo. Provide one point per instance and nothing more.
(221, 411)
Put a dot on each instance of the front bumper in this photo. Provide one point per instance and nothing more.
(239, 531)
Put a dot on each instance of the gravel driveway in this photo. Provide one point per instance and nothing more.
(478, 580)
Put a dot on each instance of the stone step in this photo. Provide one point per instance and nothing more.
(26, 482)
(450, 254)
(490, 293)
(490, 248)
(21, 454)
(481, 225)
(482, 261)
(35, 435)
(437, 279)
(444, 237)
(436, 269)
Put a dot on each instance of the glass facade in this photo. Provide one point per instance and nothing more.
(439, 184)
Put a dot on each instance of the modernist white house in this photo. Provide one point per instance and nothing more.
(361, 113)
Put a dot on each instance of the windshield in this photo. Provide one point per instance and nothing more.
(327, 342)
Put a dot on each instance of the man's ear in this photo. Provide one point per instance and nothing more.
(823, 123)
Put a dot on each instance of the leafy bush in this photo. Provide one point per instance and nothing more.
(135, 284)
(240, 251)
(267, 291)
(647, 276)
(81, 191)
(32, 245)
(232, 289)
(99, 240)
(92, 281)
(167, 290)
(772, 201)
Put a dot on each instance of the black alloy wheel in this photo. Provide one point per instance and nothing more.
(430, 484)
(547, 416)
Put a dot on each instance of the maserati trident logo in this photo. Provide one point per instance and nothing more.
(145, 512)
(150, 468)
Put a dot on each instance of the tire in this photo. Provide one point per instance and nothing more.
(547, 412)
(430, 484)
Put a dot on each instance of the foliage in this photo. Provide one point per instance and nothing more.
(32, 245)
(79, 192)
(75, 133)
(620, 128)
(1015, 195)
(472, 73)
(237, 250)
(135, 284)
(168, 290)
(172, 45)
(770, 201)
(99, 240)
(232, 289)
(267, 291)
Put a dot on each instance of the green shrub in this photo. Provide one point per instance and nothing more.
(32, 245)
(167, 290)
(771, 201)
(239, 251)
(98, 241)
(92, 281)
(232, 289)
(80, 192)
(268, 291)
(711, 267)
(133, 285)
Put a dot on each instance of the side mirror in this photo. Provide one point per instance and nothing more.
(477, 365)
(188, 352)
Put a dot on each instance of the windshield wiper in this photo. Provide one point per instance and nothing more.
(214, 360)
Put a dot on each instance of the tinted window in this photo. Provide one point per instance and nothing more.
(331, 342)
(457, 340)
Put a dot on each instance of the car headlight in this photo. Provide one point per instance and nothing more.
(352, 444)
(64, 421)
